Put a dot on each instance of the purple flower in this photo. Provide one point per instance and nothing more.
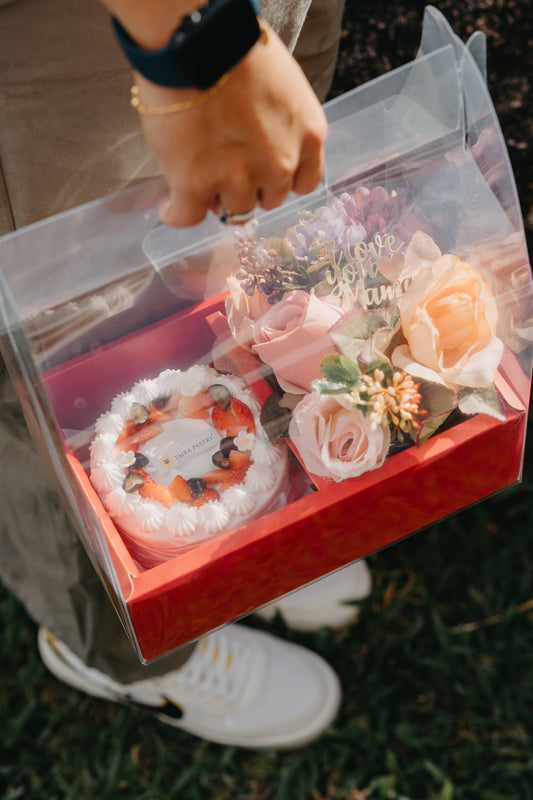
(377, 209)
(324, 225)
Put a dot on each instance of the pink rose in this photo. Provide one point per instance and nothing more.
(292, 338)
(335, 439)
(243, 311)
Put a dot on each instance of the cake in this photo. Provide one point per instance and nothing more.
(182, 458)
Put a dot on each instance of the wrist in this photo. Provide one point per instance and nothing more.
(203, 47)
(154, 100)
(151, 24)
(162, 95)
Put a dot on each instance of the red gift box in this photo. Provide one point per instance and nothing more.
(229, 576)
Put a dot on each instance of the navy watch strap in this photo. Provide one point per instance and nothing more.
(206, 45)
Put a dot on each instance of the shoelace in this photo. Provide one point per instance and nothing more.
(217, 667)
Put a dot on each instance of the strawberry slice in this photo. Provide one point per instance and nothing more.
(143, 474)
(180, 489)
(243, 414)
(157, 415)
(208, 494)
(222, 418)
(140, 435)
(236, 477)
(155, 491)
(196, 406)
(238, 460)
(128, 430)
(237, 417)
(173, 403)
(216, 475)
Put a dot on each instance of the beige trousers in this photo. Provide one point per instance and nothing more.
(68, 136)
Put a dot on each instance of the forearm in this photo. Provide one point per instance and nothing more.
(151, 23)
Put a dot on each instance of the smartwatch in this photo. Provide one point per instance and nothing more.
(207, 44)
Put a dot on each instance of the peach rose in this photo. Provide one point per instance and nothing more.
(335, 439)
(292, 338)
(243, 311)
(449, 318)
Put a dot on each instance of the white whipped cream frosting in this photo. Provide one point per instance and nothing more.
(122, 404)
(149, 515)
(106, 476)
(155, 532)
(238, 501)
(109, 425)
(146, 391)
(119, 503)
(182, 520)
(169, 382)
(259, 478)
(214, 517)
(265, 453)
(102, 448)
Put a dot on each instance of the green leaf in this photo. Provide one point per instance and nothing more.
(430, 426)
(330, 387)
(354, 330)
(339, 369)
(317, 266)
(359, 324)
(322, 288)
(384, 366)
(447, 791)
(482, 400)
(439, 402)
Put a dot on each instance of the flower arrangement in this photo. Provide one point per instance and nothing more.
(373, 334)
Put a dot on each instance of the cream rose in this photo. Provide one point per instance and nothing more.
(292, 338)
(449, 318)
(243, 311)
(335, 439)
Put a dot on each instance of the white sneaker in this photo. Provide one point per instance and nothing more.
(326, 602)
(240, 687)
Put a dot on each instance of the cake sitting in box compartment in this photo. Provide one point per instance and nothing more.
(183, 457)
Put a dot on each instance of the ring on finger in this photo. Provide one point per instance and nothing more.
(229, 217)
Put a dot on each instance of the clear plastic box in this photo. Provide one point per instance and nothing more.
(382, 327)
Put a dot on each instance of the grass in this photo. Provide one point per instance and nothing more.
(437, 678)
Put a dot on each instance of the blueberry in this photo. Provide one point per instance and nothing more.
(220, 395)
(139, 414)
(132, 482)
(161, 401)
(227, 445)
(140, 461)
(220, 460)
(197, 486)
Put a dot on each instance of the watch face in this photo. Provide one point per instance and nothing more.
(226, 31)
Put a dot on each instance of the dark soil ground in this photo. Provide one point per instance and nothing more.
(380, 35)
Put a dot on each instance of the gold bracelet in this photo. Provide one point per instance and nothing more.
(137, 103)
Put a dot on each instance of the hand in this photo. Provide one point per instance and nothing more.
(258, 138)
